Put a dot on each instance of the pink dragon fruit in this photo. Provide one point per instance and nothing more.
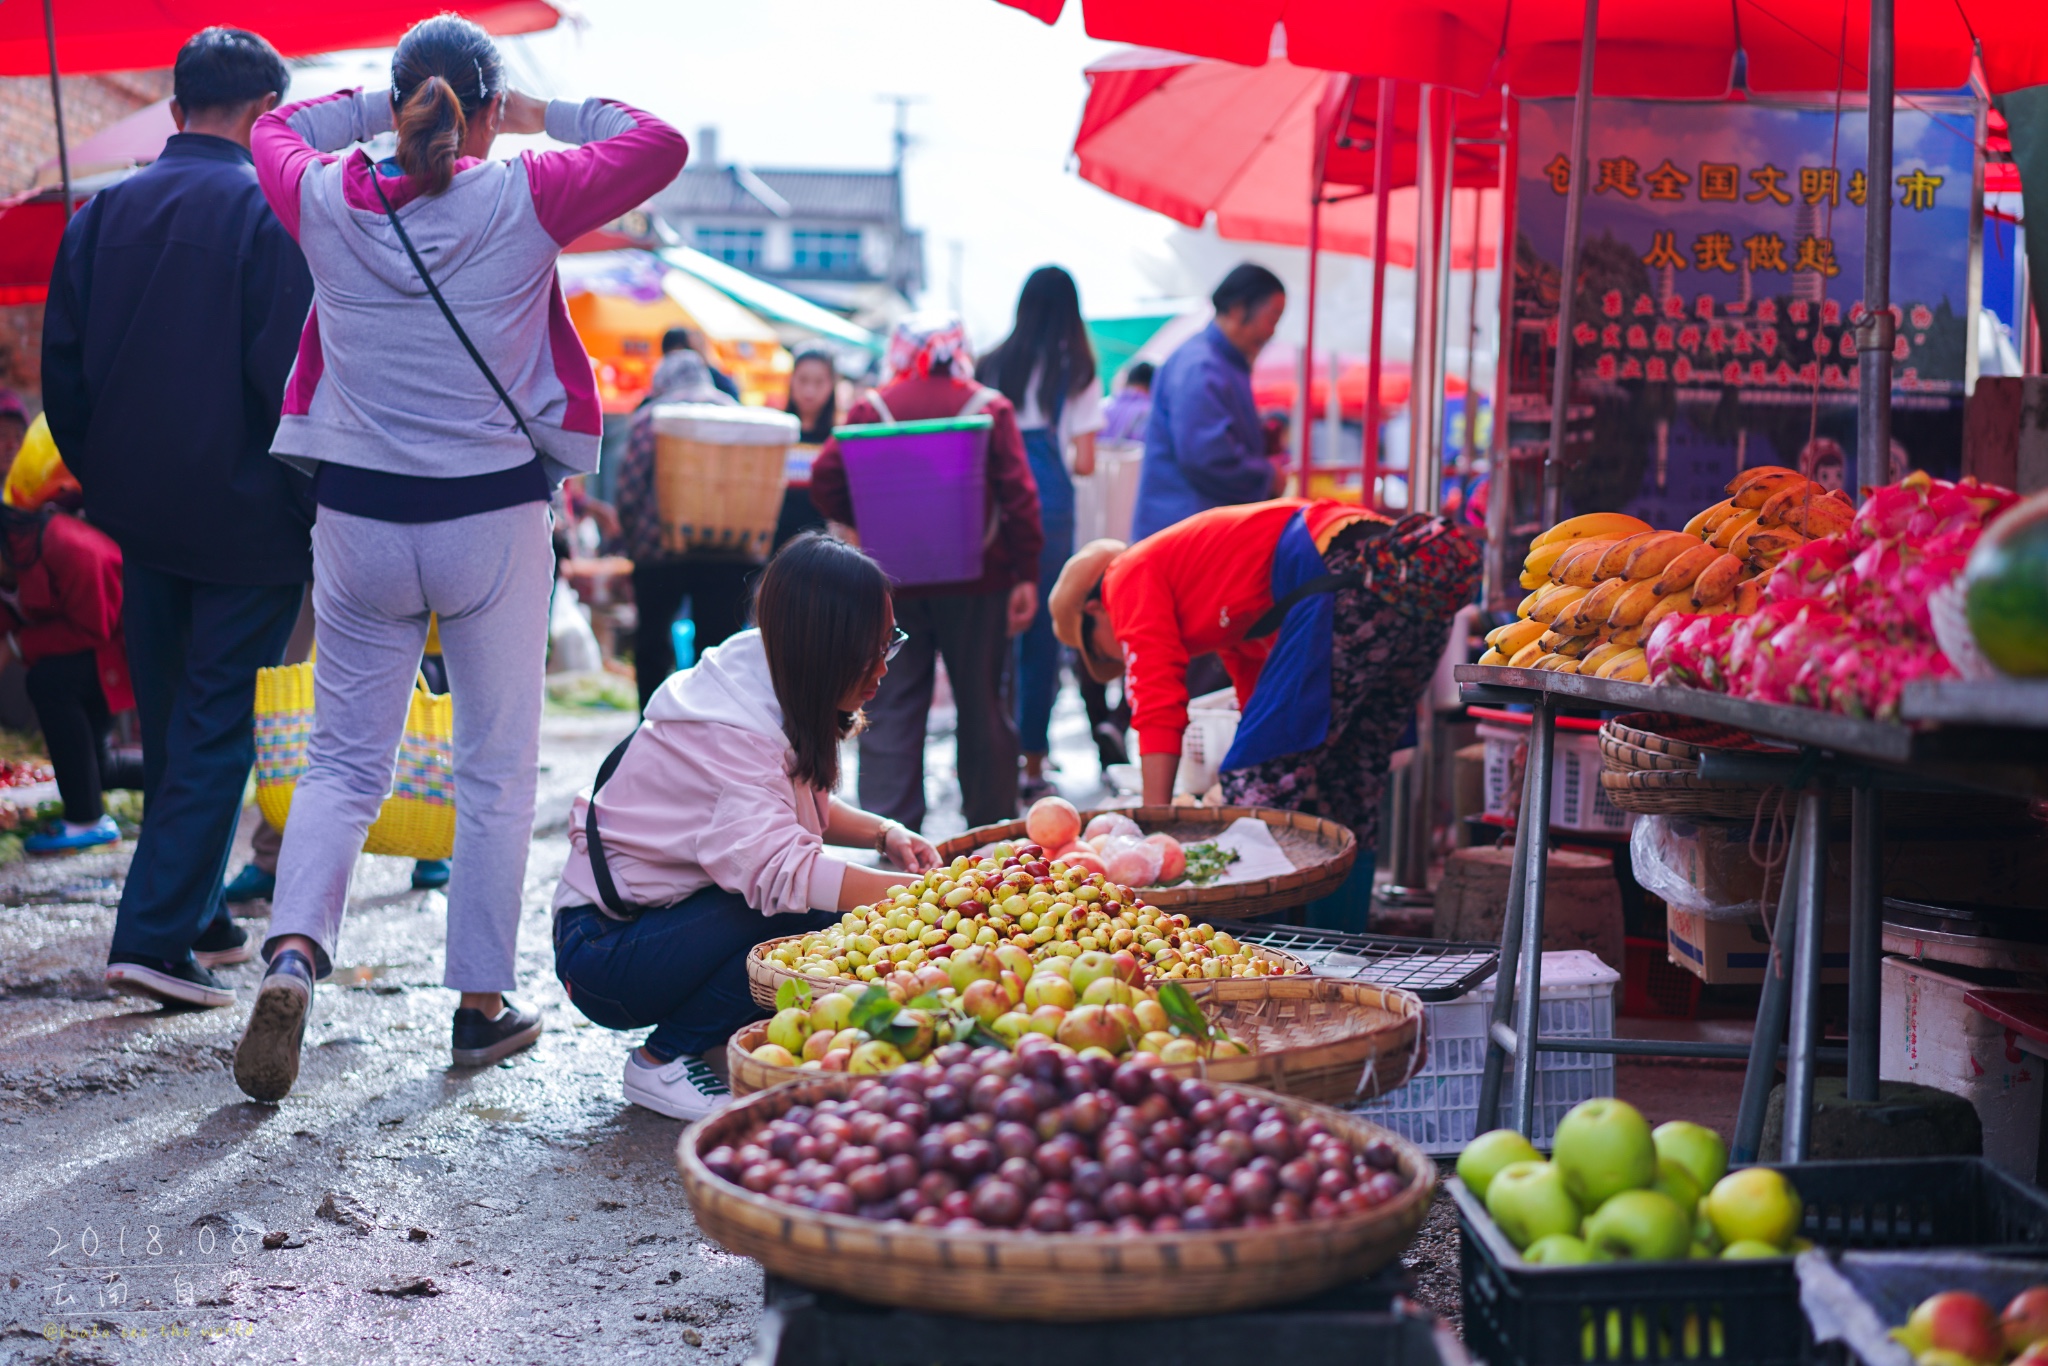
(1803, 572)
(1690, 650)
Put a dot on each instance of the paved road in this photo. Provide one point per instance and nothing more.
(391, 1209)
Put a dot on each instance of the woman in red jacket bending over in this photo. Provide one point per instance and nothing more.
(60, 607)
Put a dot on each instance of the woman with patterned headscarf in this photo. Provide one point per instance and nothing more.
(928, 373)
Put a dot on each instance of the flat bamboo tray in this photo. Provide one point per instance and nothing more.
(1048, 1277)
(765, 977)
(1316, 1038)
(1321, 850)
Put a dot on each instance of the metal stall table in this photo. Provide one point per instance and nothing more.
(1988, 737)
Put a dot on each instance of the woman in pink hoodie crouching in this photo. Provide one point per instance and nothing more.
(705, 831)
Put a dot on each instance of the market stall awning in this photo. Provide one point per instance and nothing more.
(130, 35)
(1650, 49)
(1203, 141)
(133, 141)
(770, 301)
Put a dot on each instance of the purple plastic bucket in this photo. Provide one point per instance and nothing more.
(920, 496)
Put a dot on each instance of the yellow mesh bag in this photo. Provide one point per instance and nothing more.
(418, 817)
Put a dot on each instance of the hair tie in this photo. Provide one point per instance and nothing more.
(483, 92)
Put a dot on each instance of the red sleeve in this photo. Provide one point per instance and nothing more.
(829, 494)
(84, 570)
(585, 187)
(1146, 619)
(1022, 533)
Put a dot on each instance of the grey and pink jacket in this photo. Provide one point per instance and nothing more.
(381, 382)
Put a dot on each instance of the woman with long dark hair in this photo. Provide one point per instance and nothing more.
(705, 832)
(1046, 368)
(814, 398)
(440, 395)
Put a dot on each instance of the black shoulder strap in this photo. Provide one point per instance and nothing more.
(593, 843)
(405, 240)
(1269, 622)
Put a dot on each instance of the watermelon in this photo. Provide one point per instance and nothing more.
(2007, 589)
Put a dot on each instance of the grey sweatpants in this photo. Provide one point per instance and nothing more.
(374, 583)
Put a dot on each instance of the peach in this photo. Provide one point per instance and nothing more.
(1087, 863)
(1053, 822)
(1173, 863)
(1112, 823)
(1133, 864)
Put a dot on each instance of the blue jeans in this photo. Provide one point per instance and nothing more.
(193, 652)
(1038, 653)
(680, 968)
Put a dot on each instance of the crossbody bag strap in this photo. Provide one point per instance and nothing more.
(881, 408)
(1270, 620)
(976, 401)
(593, 843)
(405, 240)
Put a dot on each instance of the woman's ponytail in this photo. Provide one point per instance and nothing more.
(443, 73)
(430, 131)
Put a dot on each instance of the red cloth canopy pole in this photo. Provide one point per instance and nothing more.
(1500, 491)
(1568, 285)
(1382, 161)
(57, 107)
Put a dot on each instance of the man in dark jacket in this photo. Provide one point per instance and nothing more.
(174, 315)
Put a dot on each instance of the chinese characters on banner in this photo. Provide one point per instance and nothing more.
(1721, 272)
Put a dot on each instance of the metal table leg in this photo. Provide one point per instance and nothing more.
(1504, 974)
(1770, 1017)
(1811, 875)
(1529, 991)
(1866, 934)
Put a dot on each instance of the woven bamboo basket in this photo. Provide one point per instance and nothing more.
(765, 976)
(1653, 792)
(1620, 756)
(718, 477)
(1322, 852)
(1317, 1038)
(1072, 1278)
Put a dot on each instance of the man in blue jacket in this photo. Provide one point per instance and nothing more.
(174, 315)
(1204, 444)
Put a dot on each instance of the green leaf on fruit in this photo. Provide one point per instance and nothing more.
(1207, 861)
(979, 1035)
(793, 992)
(929, 1001)
(875, 1007)
(1183, 1013)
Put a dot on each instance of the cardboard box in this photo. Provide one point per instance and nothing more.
(1930, 1035)
(1724, 951)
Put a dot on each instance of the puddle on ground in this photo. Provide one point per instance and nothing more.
(495, 1114)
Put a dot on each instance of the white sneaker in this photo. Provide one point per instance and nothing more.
(684, 1089)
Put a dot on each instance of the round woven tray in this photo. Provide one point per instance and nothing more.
(1653, 792)
(765, 977)
(1322, 852)
(1319, 1038)
(1619, 755)
(1048, 1277)
(1680, 737)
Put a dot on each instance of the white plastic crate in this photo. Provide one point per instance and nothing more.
(1212, 728)
(1498, 771)
(1577, 801)
(1438, 1110)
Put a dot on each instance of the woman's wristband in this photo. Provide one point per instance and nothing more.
(882, 832)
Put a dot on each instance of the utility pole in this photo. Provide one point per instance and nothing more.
(900, 140)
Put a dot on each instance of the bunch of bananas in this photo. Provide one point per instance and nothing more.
(1600, 583)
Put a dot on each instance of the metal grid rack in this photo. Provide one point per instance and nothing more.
(1434, 969)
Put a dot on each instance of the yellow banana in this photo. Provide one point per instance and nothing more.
(1556, 599)
(1749, 595)
(1682, 571)
(1620, 659)
(1525, 657)
(1577, 567)
(1590, 662)
(1591, 612)
(1615, 562)
(1631, 666)
(1819, 516)
(1721, 608)
(1633, 605)
(1772, 482)
(1512, 637)
(1565, 666)
(1738, 544)
(1629, 637)
(1766, 545)
(1716, 583)
(1494, 657)
(1706, 516)
(1744, 478)
(1610, 525)
(1557, 643)
(1725, 534)
(1530, 601)
(1650, 557)
(1722, 513)
(1678, 600)
(1542, 557)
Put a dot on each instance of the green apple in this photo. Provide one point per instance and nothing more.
(831, 1012)
(1700, 1252)
(1703, 1228)
(818, 1045)
(1013, 959)
(985, 1000)
(1089, 966)
(1485, 1156)
(1748, 1250)
(1757, 1203)
(774, 1054)
(973, 964)
(1641, 1226)
(1049, 989)
(1011, 1026)
(1559, 1249)
(1106, 991)
(875, 1056)
(1694, 1147)
(1603, 1147)
(1676, 1181)
(790, 1028)
(1047, 1020)
(1529, 1200)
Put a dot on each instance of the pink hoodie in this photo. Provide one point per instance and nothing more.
(704, 798)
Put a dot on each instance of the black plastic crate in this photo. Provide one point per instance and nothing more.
(1351, 1325)
(1682, 1312)
(1434, 969)
(1853, 1301)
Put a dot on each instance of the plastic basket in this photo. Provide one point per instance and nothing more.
(920, 496)
(1497, 772)
(1577, 800)
(1654, 987)
(1854, 1300)
(1439, 1110)
(1212, 729)
(719, 473)
(1663, 1313)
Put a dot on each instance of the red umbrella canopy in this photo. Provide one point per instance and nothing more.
(1649, 49)
(128, 35)
(1194, 138)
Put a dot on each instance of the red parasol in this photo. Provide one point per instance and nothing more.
(1657, 49)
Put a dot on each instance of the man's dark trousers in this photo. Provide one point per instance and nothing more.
(193, 652)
